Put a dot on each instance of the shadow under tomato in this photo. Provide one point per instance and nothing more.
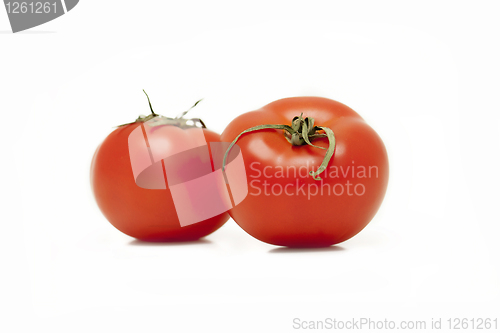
(137, 242)
(333, 248)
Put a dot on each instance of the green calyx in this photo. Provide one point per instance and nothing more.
(178, 121)
(302, 131)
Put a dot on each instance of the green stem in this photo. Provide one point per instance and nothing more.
(185, 112)
(329, 153)
(301, 132)
(179, 121)
(150, 106)
(256, 128)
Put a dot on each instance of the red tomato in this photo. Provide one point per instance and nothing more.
(149, 214)
(285, 205)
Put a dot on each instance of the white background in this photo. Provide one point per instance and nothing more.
(424, 74)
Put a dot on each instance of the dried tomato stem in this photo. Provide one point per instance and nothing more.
(179, 121)
(150, 106)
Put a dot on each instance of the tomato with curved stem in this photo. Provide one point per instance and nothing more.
(319, 184)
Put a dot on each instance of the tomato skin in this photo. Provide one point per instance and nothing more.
(145, 214)
(302, 219)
